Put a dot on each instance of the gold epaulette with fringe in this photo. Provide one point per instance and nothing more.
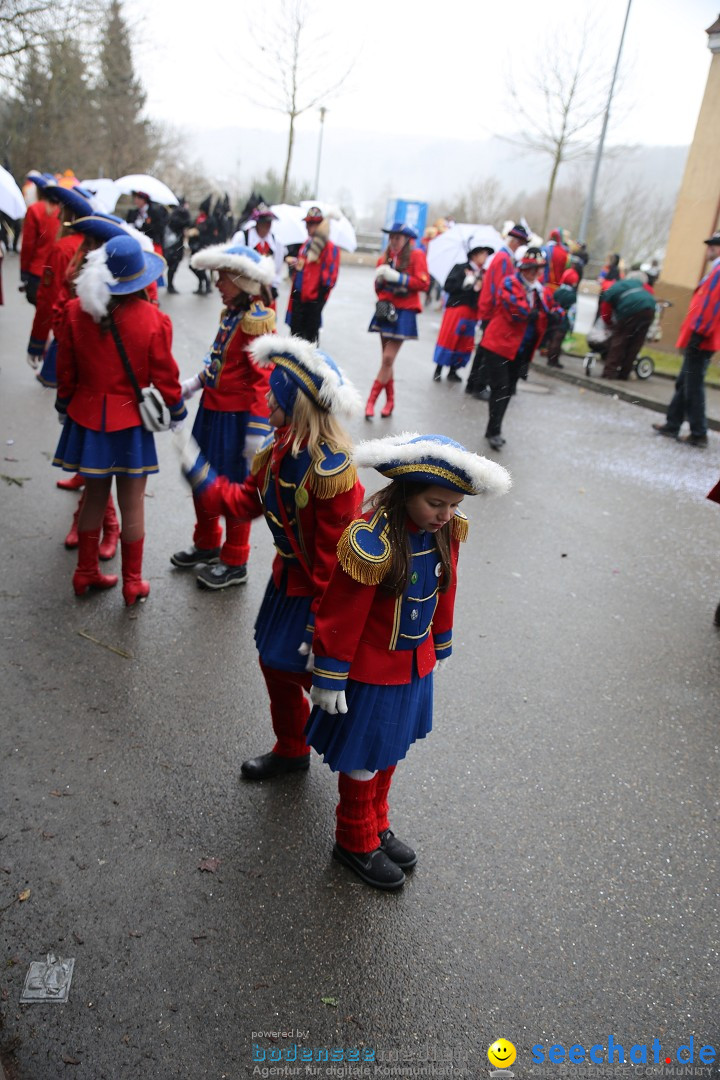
(332, 473)
(363, 550)
(460, 527)
(262, 457)
(258, 319)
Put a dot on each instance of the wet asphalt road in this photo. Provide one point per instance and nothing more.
(565, 808)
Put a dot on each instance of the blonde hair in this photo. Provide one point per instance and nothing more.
(311, 426)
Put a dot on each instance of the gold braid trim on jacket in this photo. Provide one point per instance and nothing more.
(363, 550)
(460, 527)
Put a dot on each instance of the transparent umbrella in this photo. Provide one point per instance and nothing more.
(158, 192)
(452, 246)
(11, 197)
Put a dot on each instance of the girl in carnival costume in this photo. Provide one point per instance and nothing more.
(383, 626)
(303, 481)
(103, 434)
(231, 422)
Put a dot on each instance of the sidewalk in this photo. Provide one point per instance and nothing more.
(653, 393)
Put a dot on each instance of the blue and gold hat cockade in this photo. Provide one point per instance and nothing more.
(433, 459)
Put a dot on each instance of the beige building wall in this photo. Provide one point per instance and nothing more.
(697, 211)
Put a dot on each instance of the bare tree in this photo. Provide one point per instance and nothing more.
(560, 106)
(299, 70)
(482, 201)
(26, 25)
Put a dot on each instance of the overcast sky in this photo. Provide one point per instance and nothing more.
(426, 68)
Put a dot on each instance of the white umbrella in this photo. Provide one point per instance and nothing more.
(11, 197)
(158, 192)
(341, 231)
(289, 227)
(105, 193)
(452, 246)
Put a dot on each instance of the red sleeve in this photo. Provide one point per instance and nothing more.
(164, 372)
(332, 516)
(418, 276)
(329, 266)
(512, 297)
(66, 364)
(445, 610)
(231, 499)
(341, 616)
(29, 241)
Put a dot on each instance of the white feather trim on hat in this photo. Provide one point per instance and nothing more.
(217, 258)
(486, 476)
(335, 392)
(142, 238)
(93, 284)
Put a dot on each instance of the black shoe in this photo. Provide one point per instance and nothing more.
(373, 867)
(401, 854)
(438, 373)
(717, 616)
(496, 441)
(172, 290)
(701, 441)
(482, 395)
(452, 376)
(185, 560)
(268, 765)
(221, 576)
(555, 364)
(664, 429)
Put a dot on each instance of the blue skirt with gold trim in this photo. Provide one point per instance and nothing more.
(221, 437)
(129, 452)
(280, 628)
(404, 329)
(380, 726)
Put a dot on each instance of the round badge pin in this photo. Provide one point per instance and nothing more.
(301, 498)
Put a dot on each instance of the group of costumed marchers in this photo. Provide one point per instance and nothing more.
(359, 607)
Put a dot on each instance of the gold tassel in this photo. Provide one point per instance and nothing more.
(258, 321)
(355, 566)
(460, 528)
(325, 487)
(261, 459)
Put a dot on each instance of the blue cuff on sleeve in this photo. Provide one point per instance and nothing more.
(178, 411)
(200, 475)
(443, 645)
(330, 674)
(309, 629)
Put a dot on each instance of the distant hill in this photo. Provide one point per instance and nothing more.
(359, 168)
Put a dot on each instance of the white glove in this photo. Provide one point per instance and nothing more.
(190, 387)
(306, 650)
(34, 361)
(177, 425)
(440, 664)
(186, 447)
(332, 701)
(388, 273)
(469, 281)
(251, 447)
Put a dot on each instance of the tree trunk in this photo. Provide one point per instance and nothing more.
(286, 175)
(550, 192)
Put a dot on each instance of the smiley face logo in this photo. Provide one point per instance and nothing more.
(501, 1054)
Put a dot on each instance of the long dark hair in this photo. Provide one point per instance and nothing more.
(393, 500)
(402, 261)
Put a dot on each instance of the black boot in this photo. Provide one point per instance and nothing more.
(438, 373)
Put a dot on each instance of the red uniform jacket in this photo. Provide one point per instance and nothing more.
(313, 278)
(506, 329)
(40, 227)
(357, 625)
(703, 315)
(405, 295)
(92, 385)
(316, 523)
(500, 266)
(60, 257)
(557, 261)
(232, 381)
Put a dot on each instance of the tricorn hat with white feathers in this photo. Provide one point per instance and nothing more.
(301, 366)
(433, 459)
(249, 269)
(118, 268)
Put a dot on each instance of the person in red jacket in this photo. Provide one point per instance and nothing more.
(700, 338)
(232, 419)
(40, 227)
(400, 278)
(314, 271)
(61, 254)
(103, 435)
(383, 625)
(497, 269)
(557, 258)
(305, 484)
(511, 337)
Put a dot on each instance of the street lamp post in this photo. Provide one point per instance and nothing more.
(322, 110)
(587, 211)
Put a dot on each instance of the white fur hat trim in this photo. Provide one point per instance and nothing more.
(484, 475)
(217, 258)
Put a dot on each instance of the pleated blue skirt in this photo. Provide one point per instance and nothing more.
(221, 437)
(129, 452)
(405, 329)
(381, 724)
(48, 372)
(280, 628)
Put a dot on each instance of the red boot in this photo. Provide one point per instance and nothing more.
(73, 483)
(110, 531)
(390, 399)
(370, 406)
(134, 588)
(71, 540)
(88, 576)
